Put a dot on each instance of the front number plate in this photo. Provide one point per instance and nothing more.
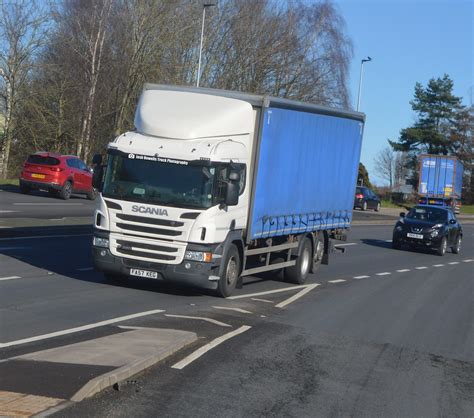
(417, 236)
(144, 273)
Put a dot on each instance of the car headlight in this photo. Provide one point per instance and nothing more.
(434, 233)
(101, 242)
(437, 226)
(199, 256)
(399, 228)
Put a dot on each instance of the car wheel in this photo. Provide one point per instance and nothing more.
(364, 206)
(92, 195)
(442, 247)
(377, 208)
(66, 191)
(24, 189)
(230, 274)
(396, 244)
(299, 272)
(457, 246)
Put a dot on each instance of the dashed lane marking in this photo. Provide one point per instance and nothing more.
(438, 265)
(454, 262)
(385, 273)
(467, 260)
(421, 268)
(262, 300)
(336, 281)
(403, 270)
(347, 244)
(2, 279)
(300, 294)
(205, 348)
(81, 328)
(360, 277)
(199, 318)
(268, 292)
(226, 308)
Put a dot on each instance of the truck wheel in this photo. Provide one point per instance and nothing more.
(299, 272)
(442, 247)
(318, 252)
(457, 246)
(230, 273)
(66, 191)
(92, 194)
(364, 206)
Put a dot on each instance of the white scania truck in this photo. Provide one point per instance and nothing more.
(213, 186)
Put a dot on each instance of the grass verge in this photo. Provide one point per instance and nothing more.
(10, 182)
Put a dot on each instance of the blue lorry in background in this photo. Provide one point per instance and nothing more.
(440, 181)
(214, 185)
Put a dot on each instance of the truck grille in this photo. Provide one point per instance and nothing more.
(146, 249)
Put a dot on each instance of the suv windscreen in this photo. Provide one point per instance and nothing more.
(40, 159)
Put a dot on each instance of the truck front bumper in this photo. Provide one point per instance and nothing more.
(188, 272)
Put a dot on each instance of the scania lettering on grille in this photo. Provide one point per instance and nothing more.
(151, 211)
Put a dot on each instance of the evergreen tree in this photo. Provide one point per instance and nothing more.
(437, 110)
(363, 177)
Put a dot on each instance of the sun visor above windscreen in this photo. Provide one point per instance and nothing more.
(184, 115)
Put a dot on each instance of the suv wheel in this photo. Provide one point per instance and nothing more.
(92, 194)
(66, 190)
(377, 209)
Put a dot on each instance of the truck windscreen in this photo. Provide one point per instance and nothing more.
(159, 181)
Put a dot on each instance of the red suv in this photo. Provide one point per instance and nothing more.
(60, 175)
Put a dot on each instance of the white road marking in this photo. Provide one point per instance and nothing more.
(46, 236)
(205, 348)
(385, 273)
(403, 270)
(421, 268)
(346, 245)
(212, 321)
(49, 204)
(8, 211)
(301, 293)
(467, 260)
(454, 262)
(438, 265)
(86, 269)
(360, 277)
(232, 309)
(81, 328)
(57, 219)
(336, 281)
(262, 300)
(268, 292)
(388, 240)
(2, 279)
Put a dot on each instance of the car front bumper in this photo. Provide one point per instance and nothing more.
(426, 241)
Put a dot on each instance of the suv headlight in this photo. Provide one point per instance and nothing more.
(101, 242)
(199, 256)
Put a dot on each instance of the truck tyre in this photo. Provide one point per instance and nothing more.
(364, 206)
(318, 252)
(230, 272)
(92, 194)
(457, 245)
(24, 189)
(442, 247)
(299, 272)
(66, 190)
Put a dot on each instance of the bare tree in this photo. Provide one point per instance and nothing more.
(22, 32)
(384, 165)
(400, 171)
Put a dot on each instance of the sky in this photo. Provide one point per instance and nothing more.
(409, 41)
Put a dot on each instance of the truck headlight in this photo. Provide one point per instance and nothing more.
(199, 256)
(101, 242)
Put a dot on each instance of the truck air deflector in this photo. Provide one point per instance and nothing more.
(307, 170)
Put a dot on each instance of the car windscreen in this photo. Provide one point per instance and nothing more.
(40, 159)
(428, 214)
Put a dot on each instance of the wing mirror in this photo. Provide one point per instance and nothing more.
(97, 172)
(452, 221)
(232, 193)
(402, 214)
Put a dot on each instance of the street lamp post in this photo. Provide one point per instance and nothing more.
(368, 59)
(204, 7)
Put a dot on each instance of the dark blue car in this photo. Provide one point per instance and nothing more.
(430, 227)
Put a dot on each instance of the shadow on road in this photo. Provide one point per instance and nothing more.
(377, 243)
